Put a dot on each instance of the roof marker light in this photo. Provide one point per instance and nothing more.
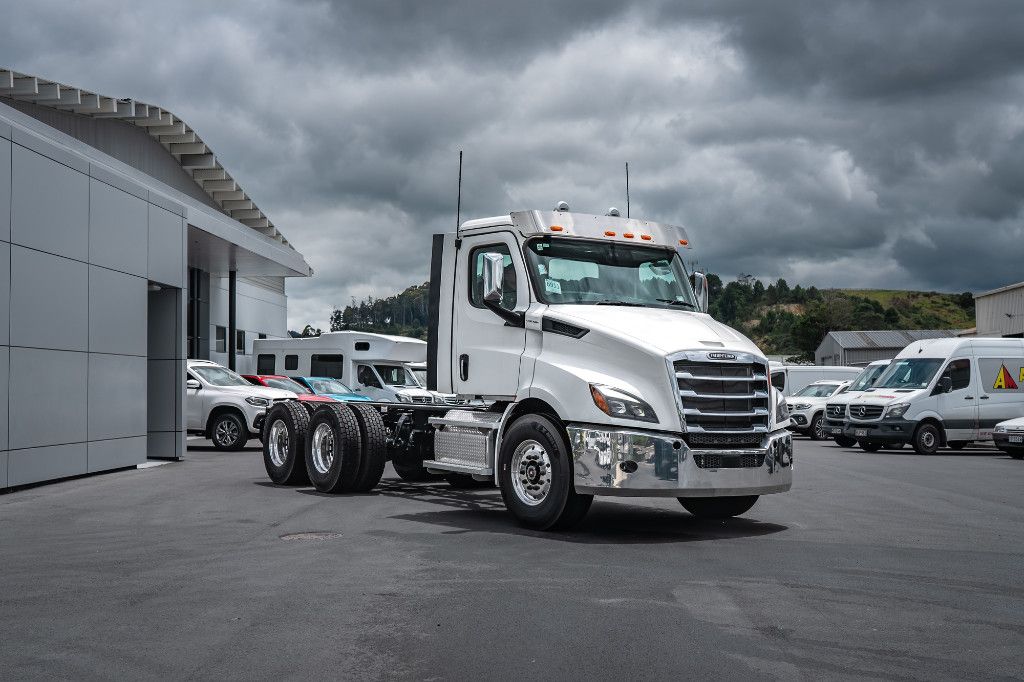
(645, 237)
(609, 233)
(557, 228)
(628, 235)
(683, 242)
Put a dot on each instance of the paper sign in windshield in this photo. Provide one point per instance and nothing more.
(552, 287)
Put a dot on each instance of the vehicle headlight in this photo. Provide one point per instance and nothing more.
(802, 406)
(999, 429)
(896, 411)
(257, 401)
(617, 403)
(403, 398)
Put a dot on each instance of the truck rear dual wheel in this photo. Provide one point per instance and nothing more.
(284, 443)
(718, 507)
(345, 448)
(535, 475)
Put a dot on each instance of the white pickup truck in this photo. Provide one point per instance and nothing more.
(601, 371)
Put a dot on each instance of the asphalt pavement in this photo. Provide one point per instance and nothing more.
(887, 565)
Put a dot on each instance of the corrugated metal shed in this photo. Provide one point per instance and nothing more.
(862, 347)
(1000, 312)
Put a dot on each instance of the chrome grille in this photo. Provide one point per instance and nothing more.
(422, 399)
(723, 397)
(723, 440)
(705, 461)
(834, 411)
(865, 412)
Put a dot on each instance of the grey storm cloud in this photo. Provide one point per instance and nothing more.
(846, 143)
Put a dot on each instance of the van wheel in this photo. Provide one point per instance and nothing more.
(717, 507)
(229, 431)
(845, 441)
(868, 446)
(927, 439)
(816, 431)
(333, 448)
(957, 445)
(284, 440)
(1016, 454)
(535, 475)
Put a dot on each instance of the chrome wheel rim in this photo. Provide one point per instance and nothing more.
(278, 443)
(323, 448)
(531, 473)
(226, 432)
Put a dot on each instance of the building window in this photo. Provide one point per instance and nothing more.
(221, 340)
(262, 336)
(291, 363)
(239, 341)
(265, 363)
(326, 366)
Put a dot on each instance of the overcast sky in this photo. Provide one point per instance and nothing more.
(855, 144)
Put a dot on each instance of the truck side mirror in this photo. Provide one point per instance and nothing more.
(700, 289)
(494, 275)
(193, 385)
(945, 384)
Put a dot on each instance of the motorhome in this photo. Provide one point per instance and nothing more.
(941, 392)
(374, 365)
(835, 410)
(790, 379)
(601, 370)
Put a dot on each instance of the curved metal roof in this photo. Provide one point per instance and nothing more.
(177, 137)
(888, 338)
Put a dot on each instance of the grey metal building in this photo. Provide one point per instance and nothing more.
(125, 247)
(862, 348)
(1000, 312)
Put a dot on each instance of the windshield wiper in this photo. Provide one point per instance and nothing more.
(625, 303)
(672, 301)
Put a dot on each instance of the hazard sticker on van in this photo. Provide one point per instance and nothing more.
(1004, 380)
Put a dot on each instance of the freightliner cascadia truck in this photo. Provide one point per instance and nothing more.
(596, 370)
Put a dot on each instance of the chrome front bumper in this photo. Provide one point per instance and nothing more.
(609, 461)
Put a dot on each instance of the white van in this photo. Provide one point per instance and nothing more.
(374, 365)
(941, 392)
(835, 410)
(789, 379)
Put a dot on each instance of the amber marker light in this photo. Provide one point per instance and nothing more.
(599, 400)
(557, 228)
(645, 237)
(683, 242)
(628, 235)
(609, 233)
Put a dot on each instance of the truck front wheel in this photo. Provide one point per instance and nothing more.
(718, 507)
(535, 476)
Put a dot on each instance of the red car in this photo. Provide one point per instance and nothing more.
(277, 381)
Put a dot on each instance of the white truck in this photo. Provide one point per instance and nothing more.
(603, 375)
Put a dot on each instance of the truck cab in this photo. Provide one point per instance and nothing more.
(595, 346)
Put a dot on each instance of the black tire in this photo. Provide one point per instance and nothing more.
(228, 431)
(927, 439)
(814, 432)
(957, 445)
(895, 446)
(412, 472)
(333, 448)
(284, 449)
(718, 507)
(530, 440)
(465, 481)
(845, 441)
(868, 446)
(1016, 454)
(373, 454)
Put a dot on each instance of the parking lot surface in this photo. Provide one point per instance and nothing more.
(885, 565)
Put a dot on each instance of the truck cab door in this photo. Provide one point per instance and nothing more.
(486, 351)
(959, 407)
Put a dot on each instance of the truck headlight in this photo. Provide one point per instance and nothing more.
(896, 411)
(616, 403)
(257, 401)
(403, 398)
(781, 411)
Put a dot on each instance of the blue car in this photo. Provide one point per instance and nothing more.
(331, 388)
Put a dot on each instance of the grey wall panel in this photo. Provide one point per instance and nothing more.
(5, 190)
(49, 301)
(162, 389)
(165, 328)
(117, 312)
(4, 366)
(118, 229)
(117, 384)
(5, 293)
(162, 445)
(42, 464)
(166, 247)
(49, 205)
(3, 470)
(49, 388)
(114, 454)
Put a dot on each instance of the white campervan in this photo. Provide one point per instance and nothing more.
(372, 364)
(941, 392)
(789, 379)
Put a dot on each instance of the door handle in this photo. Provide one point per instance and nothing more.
(968, 397)
(984, 397)
(464, 367)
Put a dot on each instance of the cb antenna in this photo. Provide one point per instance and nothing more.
(458, 203)
(627, 189)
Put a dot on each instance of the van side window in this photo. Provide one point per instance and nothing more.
(476, 276)
(366, 377)
(265, 363)
(959, 372)
(291, 362)
(779, 381)
(326, 366)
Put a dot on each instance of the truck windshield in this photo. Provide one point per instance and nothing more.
(578, 271)
(218, 376)
(867, 378)
(393, 375)
(421, 376)
(912, 373)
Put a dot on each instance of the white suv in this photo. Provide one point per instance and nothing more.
(223, 406)
(807, 407)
